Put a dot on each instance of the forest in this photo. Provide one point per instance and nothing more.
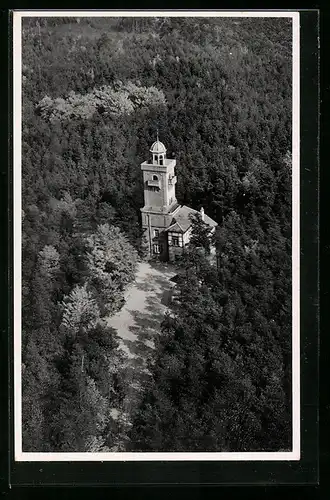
(94, 92)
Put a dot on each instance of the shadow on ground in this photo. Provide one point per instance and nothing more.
(145, 287)
(139, 324)
(146, 326)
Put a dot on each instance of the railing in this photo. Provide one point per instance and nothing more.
(154, 183)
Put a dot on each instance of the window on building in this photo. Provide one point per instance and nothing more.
(161, 160)
(156, 158)
(175, 241)
(156, 233)
(155, 178)
(158, 249)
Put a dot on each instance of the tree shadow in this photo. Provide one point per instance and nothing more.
(132, 363)
(154, 308)
(137, 378)
(162, 281)
(166, 298)
(154, 299)
(163, 267)
(147, 326)
(146, 321)
(145, 287)
(140, 349)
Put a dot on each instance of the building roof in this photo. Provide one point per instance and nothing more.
(182, 222)
(176, 228)
(158, 147)
(177, 278)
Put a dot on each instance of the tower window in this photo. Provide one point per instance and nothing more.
(156, 158)
(161, 160)
(156, 233)
(155, 178)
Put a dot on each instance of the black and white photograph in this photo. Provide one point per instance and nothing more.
(156, 226)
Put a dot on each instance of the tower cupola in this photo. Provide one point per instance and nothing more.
(158, 152)
(159, 179)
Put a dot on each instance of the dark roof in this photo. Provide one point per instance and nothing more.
(181, 222)
(178, 278)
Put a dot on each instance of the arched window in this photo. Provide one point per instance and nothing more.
(158, 248)
(155, 178)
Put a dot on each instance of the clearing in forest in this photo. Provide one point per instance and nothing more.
(146, 301)
(138, 322)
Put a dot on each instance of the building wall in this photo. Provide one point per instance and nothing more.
(175, 250)
(187, 236)
(158, 222)
(161, 194)
(154, 196)
(159, 199)
(171, 181)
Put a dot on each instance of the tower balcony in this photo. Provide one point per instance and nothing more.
(155, 167)
(152, 183)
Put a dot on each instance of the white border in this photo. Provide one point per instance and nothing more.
(21, 456)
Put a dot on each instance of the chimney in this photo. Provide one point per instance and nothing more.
(202, 213)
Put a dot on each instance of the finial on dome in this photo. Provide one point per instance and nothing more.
(157, 135)
(158, 147)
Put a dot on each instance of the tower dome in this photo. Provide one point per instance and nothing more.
(158, 148)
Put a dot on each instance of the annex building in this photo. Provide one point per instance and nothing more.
(166, 223)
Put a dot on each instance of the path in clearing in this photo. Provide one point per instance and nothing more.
(138, 322)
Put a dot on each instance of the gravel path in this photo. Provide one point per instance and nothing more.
(146, 301)
(137, 324)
